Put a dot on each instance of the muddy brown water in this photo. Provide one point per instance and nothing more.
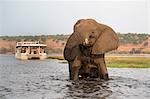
(48, 79)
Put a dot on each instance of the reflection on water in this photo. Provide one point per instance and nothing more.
(48, 79)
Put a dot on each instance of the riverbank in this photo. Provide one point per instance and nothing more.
(121, 61)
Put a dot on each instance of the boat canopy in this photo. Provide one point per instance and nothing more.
(19, 44)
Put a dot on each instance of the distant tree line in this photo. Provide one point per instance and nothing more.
(35, 38)
(123, 38)
(132, 38)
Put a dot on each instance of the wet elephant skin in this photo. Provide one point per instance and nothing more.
(84, 48)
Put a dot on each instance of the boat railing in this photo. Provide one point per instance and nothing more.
(24, 43)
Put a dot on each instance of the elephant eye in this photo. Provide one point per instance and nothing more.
(92, 31)
(91, 36)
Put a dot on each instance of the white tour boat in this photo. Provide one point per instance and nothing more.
(30, 50)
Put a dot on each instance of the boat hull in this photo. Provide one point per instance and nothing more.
(26, 56)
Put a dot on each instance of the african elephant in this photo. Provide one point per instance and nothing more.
(87, 45)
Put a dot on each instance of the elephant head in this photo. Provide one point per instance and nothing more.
(90, 33)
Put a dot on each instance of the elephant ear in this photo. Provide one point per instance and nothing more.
(72, 47)
(107, 41)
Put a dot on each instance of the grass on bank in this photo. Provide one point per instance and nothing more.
(120, 62)
(56, 57)
(128, 62)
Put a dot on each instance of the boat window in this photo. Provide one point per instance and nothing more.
(34, 52)
(23, 50)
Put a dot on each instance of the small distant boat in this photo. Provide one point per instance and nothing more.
(30, 50)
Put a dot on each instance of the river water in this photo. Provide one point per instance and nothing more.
(48, 79)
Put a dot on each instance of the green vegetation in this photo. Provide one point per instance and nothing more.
(35, 38)
(56, 57)
(128, 62)
(25, 38)
(120, 62)
(59, 37)
(132, 38)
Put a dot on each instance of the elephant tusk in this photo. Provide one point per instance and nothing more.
(86, 41)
